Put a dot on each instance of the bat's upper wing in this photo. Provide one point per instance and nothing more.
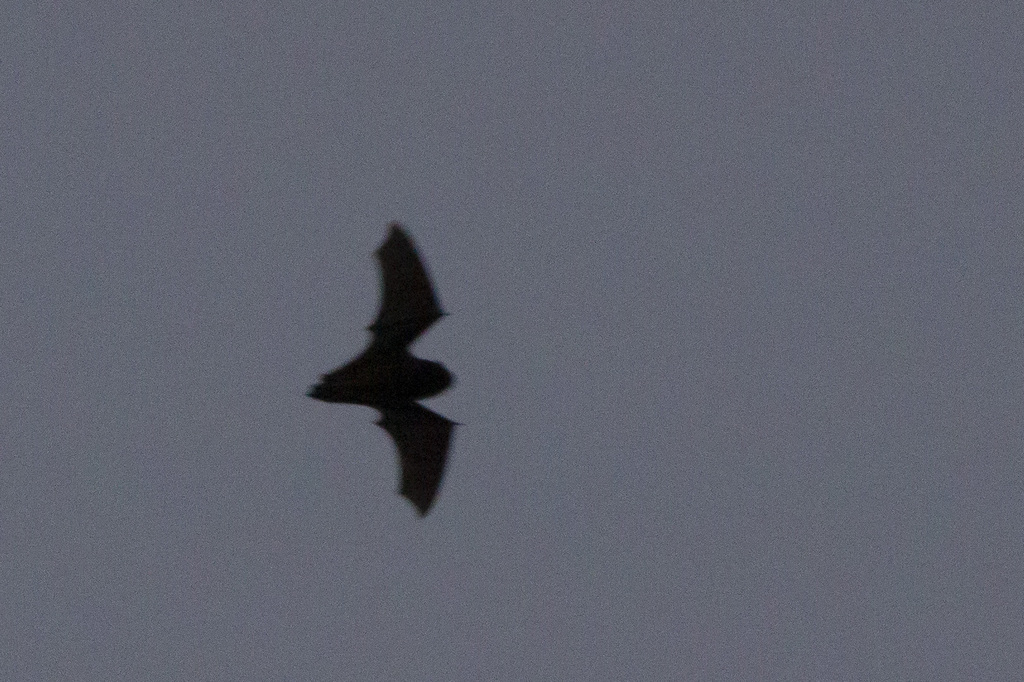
(422, 438)
(408, 304)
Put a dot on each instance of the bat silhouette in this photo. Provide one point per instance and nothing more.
(389, 379)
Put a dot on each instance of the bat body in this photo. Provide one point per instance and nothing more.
(388, 378)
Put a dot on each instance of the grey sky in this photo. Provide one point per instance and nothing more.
(735, 316)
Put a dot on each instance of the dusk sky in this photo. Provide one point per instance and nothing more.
(735, 316)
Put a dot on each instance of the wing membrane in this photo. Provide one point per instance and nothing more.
(422, 438)
(408, 303)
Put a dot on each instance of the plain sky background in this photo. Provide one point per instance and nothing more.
(735, 300)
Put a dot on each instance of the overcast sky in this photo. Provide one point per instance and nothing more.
(735, 316)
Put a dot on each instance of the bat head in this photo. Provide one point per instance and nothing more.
(432, 378)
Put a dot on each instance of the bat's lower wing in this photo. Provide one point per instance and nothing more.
(408, 304)
(422, 438)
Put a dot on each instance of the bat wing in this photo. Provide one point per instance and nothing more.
(422, 438)
(408, 304)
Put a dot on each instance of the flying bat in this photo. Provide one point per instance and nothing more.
(389, 379)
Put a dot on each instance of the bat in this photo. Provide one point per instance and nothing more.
(386, 377)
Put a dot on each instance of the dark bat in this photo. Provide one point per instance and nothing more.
(389, 379)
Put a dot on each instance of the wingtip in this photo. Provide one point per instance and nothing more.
(421, 510)
(395, 233)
